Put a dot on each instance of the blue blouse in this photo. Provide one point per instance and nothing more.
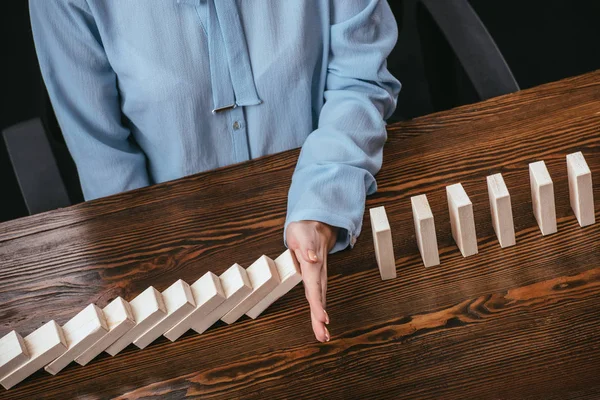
(147, 91)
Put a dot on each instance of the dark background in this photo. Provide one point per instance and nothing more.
(541, 40)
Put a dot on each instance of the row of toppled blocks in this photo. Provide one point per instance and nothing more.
(180, 307)
(462, 222)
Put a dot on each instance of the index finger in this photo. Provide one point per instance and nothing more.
(311, 275)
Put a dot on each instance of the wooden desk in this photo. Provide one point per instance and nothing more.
(521, 322)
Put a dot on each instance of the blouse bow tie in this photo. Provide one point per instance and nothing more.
(230, 70)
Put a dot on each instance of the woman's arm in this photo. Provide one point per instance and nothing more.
(338, 161)
(84, 93)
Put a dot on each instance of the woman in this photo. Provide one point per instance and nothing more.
(149, 91)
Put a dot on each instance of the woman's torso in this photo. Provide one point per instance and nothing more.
(160, 52)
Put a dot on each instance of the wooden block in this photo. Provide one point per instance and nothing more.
(208, 294)
(581, 192)
(425, 230)
(43, 345)
(236, 286)
(264, 279)
(382, 241)
(462, 220)
(13, 353)
(179, 303)
(81, 331)
(289, 274)
(542, 197)
(501, 209)
(119, 320)
(147, 308)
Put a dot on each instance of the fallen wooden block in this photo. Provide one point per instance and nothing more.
(81, 331)
(179, 303)
(501, 209)
(289, 273)
(264, 279)
(208, 294)
(542, 197)
(425, 230)
(147, 308)
(382, 242)
(119, 320)
(43, 345)
(13, 353)
(236, 286)
(462, 220)
(581, 192)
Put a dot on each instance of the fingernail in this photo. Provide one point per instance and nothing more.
(327, 337)
(326, 317)
(312, 256)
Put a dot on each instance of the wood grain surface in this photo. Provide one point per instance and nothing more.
(515, 323)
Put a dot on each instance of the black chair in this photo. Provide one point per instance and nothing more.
(460, 60)
(544, 40)
(35, 166)
(445, 57)
(462, 63)
(42, 164)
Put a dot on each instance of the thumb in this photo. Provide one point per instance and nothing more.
(303, 244)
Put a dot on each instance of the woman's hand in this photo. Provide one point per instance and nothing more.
(311, 241)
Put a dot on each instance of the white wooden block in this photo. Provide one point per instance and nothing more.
(81, 331)
(236, 286)
(264, 279)
(581, 192)
(13, 353)
(501, 209)
(542, 197)
(462, 220)
(179, 303)
(119, 320)
(289, 274)
(208, 294)
(382, 242)
(425, 230)
(147, 308)
(43, 345)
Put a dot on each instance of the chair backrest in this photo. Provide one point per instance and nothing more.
(35, 167)
(544, 41)
(444, 58)
(462, 62)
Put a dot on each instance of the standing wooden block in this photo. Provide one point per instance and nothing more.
(462, 220)
(147, 308)
(289, 273)
(13, 353)
(425, 230)
(179, 303)
(236, 286)
(542, 197)
(81, 331)
(501, 209)
(264, 279)
(119, 320)
(382, 242)
(581, 192)
(43, 345)
(208, 294)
